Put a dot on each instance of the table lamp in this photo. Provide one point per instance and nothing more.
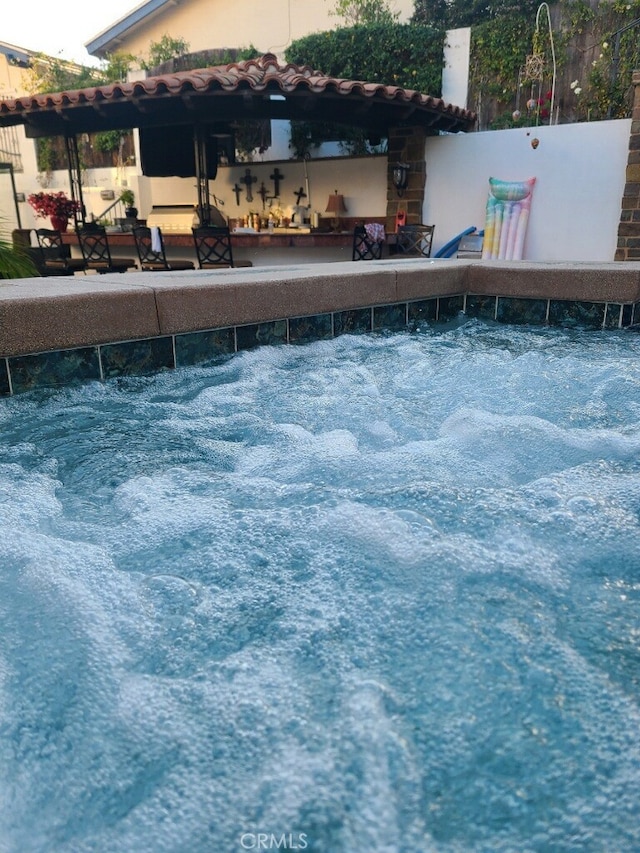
(336, 207)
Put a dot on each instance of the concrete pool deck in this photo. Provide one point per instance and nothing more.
(54, 331)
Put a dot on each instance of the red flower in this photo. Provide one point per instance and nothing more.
(53, 204)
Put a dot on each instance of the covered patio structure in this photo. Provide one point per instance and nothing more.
(193, 112)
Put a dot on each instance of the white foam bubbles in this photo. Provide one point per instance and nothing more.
(379, 590)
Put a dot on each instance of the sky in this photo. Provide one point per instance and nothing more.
(60, 29)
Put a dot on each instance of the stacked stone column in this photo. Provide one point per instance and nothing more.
(628, 248)
(406, 145)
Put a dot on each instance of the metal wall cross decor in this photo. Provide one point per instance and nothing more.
(276, 177)
(237, 190)
(263, 193)
(299, 194)
(248, 180)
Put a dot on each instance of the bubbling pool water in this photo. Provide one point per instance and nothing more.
(378, 593)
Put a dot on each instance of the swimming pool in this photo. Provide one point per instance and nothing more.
(375, 593)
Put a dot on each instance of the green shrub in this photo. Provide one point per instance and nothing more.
(392, 54)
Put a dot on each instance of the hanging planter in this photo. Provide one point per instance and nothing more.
(533, 68)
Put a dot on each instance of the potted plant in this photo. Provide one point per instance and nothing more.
(128, 198)
(57, 206)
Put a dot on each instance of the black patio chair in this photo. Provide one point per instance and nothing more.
(415, 240)
(155, 259)
(364, 248)
(213, 248)
(55, 256)
(97, 254)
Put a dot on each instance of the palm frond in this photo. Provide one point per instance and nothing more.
(14, 261)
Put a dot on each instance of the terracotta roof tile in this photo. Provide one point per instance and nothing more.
(254, 76)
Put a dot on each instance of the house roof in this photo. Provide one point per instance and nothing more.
(252, 89)
(15, 55)
(108, 40)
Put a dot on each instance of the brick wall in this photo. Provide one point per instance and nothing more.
(628, 248)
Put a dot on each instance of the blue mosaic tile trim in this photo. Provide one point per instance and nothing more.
(391, 317)
(423, 311)
(52, 369)
(482, 307)
(198, 347)
(260, 334)
(352, 322)
(581, 315)
(521, 311)
(64, 367)
(449, 307)
(137, 358)
(303, 330)
(5, 387)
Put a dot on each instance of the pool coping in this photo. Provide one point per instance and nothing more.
(61, 330)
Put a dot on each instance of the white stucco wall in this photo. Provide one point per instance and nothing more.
(363, 182)
(455, 72)
(580, 177)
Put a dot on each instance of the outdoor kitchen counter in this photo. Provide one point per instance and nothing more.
(262, 248)
(290, 237)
